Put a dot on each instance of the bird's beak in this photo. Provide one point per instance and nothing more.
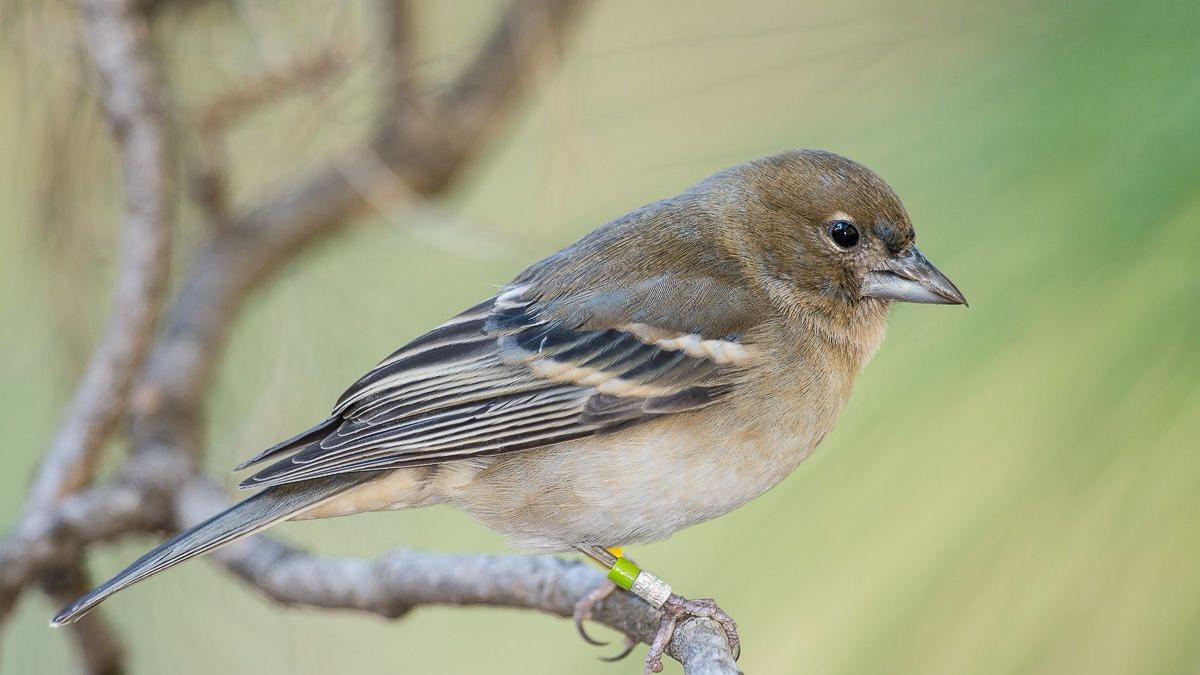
(911, 278)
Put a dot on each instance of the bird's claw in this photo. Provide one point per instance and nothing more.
(677, 609)
(630, 643)
(583, 612)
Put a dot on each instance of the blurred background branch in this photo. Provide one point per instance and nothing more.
(134, 96)
(422, 143)
(117, 37)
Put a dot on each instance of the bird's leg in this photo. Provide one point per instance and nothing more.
(622, 573)
(583, 608)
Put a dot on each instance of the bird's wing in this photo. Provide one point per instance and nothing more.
(506, 375)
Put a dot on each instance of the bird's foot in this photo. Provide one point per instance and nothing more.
(583, 612)
(678, 609)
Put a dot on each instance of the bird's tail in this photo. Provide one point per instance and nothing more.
(253, 515)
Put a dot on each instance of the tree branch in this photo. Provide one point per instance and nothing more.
(400, 581)
(118, 39)
(134, 501)
(427, 146)
(401, 60)
(209, 178)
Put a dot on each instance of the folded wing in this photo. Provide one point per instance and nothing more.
(502, 377)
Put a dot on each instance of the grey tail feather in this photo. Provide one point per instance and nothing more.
(248, 517)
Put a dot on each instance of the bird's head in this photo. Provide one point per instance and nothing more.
(825, 233)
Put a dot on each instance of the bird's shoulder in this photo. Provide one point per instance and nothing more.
(666, 265)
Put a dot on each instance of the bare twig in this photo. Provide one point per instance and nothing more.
(298, 76)
(209, 181)
(399, 581)
(118, 38)
(427, 150)
(402, 57)
(135, 501)
(118, 41)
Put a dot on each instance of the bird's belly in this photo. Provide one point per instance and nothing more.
(636, 486)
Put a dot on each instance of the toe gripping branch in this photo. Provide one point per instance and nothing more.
(638, 581)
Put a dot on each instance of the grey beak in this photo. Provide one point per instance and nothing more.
(912, 278)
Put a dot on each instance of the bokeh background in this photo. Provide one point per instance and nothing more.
(1013, 487)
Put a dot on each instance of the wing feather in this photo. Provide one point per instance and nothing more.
(501, 377)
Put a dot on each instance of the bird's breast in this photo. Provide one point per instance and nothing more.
(646, 482)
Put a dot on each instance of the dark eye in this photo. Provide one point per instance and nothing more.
(844, 234)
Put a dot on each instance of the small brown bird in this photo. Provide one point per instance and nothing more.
(664, 370)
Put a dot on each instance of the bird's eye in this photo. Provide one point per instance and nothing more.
(844, 234)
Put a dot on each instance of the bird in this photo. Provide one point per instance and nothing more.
(667, 368)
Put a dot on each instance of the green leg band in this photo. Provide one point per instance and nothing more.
(623, 573)
(641, 583)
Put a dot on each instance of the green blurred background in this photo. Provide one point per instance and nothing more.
(1012, 489)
